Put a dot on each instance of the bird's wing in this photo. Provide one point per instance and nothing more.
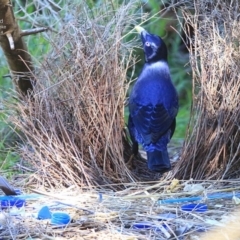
(151, 121)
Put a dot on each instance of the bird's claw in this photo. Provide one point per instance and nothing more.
(129, 163)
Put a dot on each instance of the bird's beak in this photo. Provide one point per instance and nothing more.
(142, 32)
(139, 29)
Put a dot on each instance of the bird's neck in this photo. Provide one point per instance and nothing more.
(159, 66)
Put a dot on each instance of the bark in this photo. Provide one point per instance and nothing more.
(15, 50)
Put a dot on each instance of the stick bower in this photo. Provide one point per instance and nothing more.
(211, 149)
(74, 122)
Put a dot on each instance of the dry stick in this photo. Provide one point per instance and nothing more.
(58, 197)
(32, 31)
(73, 206)
(19, 166)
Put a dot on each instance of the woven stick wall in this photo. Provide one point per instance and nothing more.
(212, 144)
(74, 124)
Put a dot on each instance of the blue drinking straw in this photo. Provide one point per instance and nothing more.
(211, 196)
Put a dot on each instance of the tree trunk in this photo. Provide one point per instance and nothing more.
(15, 50)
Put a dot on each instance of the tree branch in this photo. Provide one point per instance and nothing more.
(32, 31)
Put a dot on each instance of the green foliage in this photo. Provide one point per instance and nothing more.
(38, 46)
(5, 82)
(8, 157)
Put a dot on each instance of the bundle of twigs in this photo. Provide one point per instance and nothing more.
(212, 146)
(74, 122)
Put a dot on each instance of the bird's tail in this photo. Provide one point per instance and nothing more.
(158, 161)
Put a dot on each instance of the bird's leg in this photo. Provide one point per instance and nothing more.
(129, 163)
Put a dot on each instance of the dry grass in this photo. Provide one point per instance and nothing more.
(211, 148)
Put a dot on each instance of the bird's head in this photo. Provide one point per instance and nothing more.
(154, 47)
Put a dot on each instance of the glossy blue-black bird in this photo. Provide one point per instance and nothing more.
(153, 104)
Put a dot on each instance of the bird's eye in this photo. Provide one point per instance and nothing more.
(147, 44)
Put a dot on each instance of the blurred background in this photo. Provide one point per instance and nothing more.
(163, 23)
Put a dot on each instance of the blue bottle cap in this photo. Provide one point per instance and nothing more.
(60, 218)
(199, 207)
(44, 213)
(10, 201)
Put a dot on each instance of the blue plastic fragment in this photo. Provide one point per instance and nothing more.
(31, 196)
(10, 201)
(199, 207)
(24, 196)
(143, 225)
(150, 226)
(179, 200)
(100, 197)
(44, 213)
(60, 218)
(18, 191)
(164, 216)
(211, 196)
(159, 227)
(201, 229)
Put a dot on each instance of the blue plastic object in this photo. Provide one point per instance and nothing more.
(149, 225)
(200, 207)
(60, 218)
(164, 216)
(211, 196)
(201, 229)
(100, 197)
(18, 191)
(143, 225)
(10, 201)
(44, 213)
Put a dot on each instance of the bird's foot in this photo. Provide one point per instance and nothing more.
(129, 163)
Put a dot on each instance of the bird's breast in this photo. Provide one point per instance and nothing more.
(153, 90)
